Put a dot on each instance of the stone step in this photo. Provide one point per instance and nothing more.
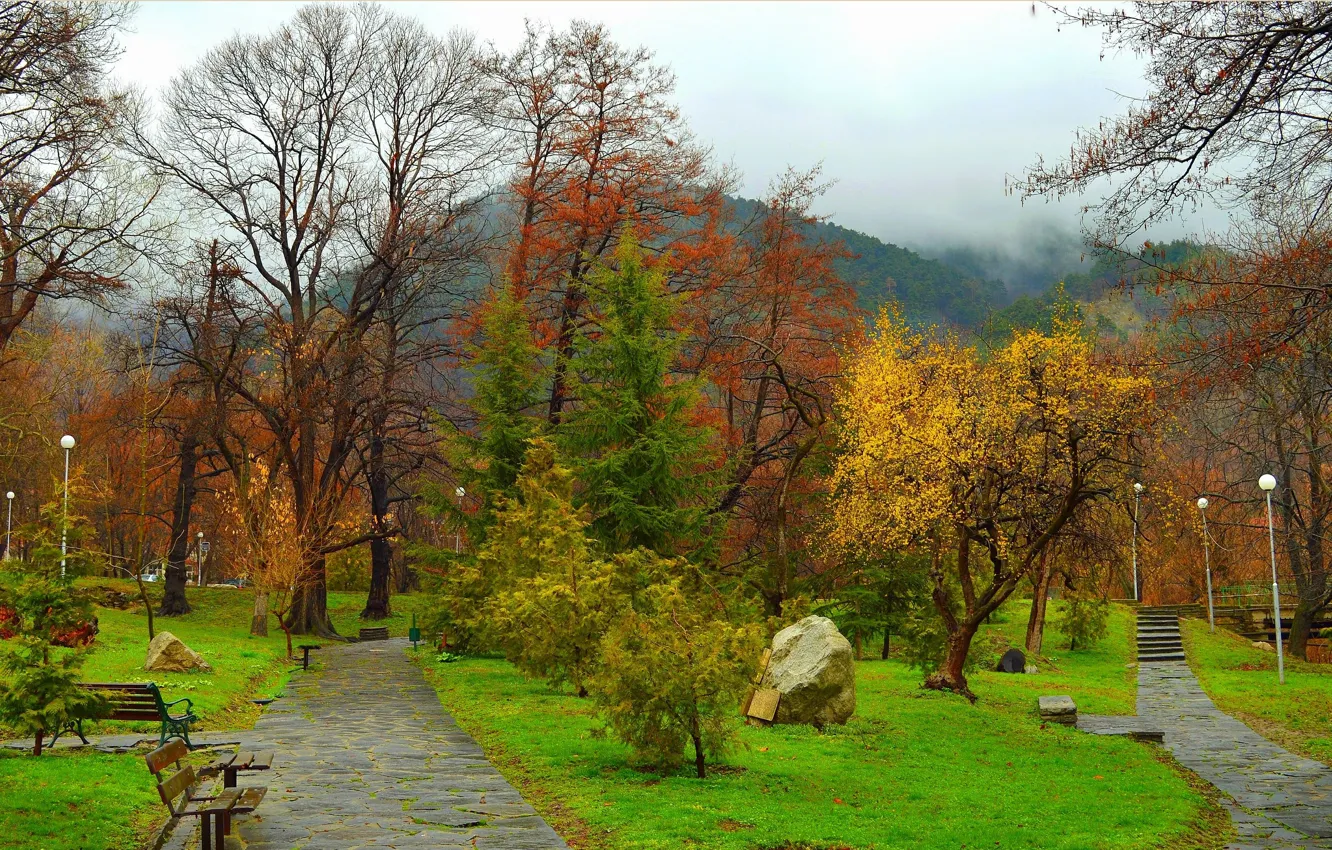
(1175, 641)
(1165, 656)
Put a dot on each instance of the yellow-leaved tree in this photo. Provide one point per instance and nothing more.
(980, 460)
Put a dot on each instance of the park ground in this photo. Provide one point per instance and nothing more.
(912, 768)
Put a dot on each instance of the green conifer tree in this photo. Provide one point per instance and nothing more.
(39, 690)
(643, 466)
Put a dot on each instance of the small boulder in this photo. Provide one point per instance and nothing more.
(1263, 645)
(1031, 670)
(169, 653)
(813, 667)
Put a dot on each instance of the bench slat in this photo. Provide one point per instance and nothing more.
(250, 798)
(172, 788)
(159, 758)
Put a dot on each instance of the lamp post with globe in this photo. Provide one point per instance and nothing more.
(9, 521)
(66, 443)
(1207, 563)
(1137, 492)
(457, 534)
(1267, 483)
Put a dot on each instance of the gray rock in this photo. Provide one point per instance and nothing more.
(1030, 670)
(813, 667)
(1057, 709)
(1263, 645)
(169, 653)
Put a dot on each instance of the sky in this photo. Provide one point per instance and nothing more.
(916, 110)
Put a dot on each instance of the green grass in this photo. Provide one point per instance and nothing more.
(912, 769)
(79, 801)
(90, 801)
(1242, 681)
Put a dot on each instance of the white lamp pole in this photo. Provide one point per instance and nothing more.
(1207, 563)
(1137, 491)
(66, 443)
(9, 521)
(1268, 484)
(457, 536)
(198, 556)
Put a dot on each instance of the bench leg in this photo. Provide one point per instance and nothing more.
(79, 729)
(206, 832)
(221, 824)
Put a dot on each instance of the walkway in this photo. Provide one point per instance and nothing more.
(1281, 800)
(364, 756)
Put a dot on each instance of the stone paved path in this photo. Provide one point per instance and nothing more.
(1281, 801)
(364, 756)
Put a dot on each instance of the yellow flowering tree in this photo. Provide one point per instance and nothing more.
(981, 460)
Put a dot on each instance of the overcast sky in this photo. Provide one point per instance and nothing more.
(917, 110)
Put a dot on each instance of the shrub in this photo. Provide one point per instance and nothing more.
(1084, 620)
(537, 589)
(675, 669)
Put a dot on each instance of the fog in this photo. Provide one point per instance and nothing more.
(917, 110)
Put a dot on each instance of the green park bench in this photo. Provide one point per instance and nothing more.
(138, 701)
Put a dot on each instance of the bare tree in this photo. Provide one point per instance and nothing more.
(337, 154)
(72, 211)
(1236, 114)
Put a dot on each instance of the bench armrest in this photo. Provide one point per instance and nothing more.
(189, 706)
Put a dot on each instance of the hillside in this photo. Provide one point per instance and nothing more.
(927, 290)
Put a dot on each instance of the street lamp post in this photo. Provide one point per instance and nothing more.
(1207, 563)
(1137, 491)
(1268, 483)
(457, 536)
(198, 556)
(9, 521)
(66, 443)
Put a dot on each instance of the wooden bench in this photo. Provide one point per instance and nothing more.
(214, 810)
(138, 701)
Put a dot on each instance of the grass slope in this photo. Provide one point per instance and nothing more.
(89, 801)
(1242, 681)
(912, 769)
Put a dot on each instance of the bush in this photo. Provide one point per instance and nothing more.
(675, 670)
(537, 589)
(1084, 620)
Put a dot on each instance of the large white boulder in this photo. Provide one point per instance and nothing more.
(169, 653)
(813, 667)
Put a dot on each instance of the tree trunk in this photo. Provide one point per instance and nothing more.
(1300, 627)
(308, 614)
(174, 602)
(1039, 602)
(700, 767)
(259, 622)
(37, 745)
(381, 551)
(949, 676)
(404, 578)
(887, 643)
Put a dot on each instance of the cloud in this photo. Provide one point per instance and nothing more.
(918, 110)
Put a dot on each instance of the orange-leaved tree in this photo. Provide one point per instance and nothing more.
(982, 461)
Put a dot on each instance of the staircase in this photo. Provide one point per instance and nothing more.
(1158, 635)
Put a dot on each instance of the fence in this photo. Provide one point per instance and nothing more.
(1252, 594)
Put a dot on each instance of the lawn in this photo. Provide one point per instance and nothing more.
(912, 769)
(1242, 681)
(89, 801)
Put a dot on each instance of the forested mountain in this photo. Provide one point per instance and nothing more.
(927, 290)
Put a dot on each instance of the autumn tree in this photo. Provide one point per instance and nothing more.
(598, 143)
(980, 462)
(769, 343)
